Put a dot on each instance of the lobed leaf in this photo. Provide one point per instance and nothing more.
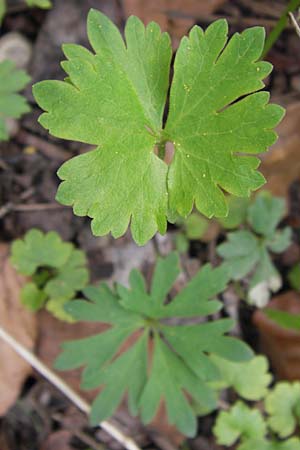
(249, 379)
(239, 423)
(148, 357)
(12, 104)
(114, 98)
(58, 271)
(282, 405)
(265, 213)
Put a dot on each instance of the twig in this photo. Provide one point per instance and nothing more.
(295, 24)
(36, 207)
(50, 150)
(11, 205)
(81, 404)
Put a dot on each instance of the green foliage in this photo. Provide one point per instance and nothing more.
(248, 427)
(12, 104)
(294, 277)
(283, 406)
(58, 271)
(43, 4)
(181, 242)
(240, 422)
(284, 319)
(167, 358)
(247, 251)
(115, 98)
(237, 213)
(249, 379)
(194, 226)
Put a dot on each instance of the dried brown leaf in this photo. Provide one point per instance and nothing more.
(19, 322)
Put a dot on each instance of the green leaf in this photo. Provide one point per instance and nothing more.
(284, 319)
(241, 253)
(237, 213)
(247, 254)
(114, 98)
(165, 274)
(294, 277)
(181, 243)
(240, 422)
(44, 4)
(12, 105)
(280, 240)
(169, 377)
(58, 271)
(265, 213)
(195, 226)
(72, 277)
(33, 297)
(207, 129)
(163, 360)
(37, 250)
(282, 405)
(263, 444)
(56, 306)
(249, 379)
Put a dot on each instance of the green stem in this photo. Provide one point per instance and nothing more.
(279, 27)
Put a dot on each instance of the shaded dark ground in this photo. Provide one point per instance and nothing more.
(42, 419)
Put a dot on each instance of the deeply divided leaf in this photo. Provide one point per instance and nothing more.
(145, 355)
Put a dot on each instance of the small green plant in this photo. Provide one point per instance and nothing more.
(57, 270)
(12, 104)
(283, 407)
(247, 252)
(248, 427)
(166, 360)
(158, 350)
(115, 98)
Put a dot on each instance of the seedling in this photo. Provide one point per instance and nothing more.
(254, 431)
(12, 104)
(247, 252)
(166, 360)
(115, 98)
(56, 268)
